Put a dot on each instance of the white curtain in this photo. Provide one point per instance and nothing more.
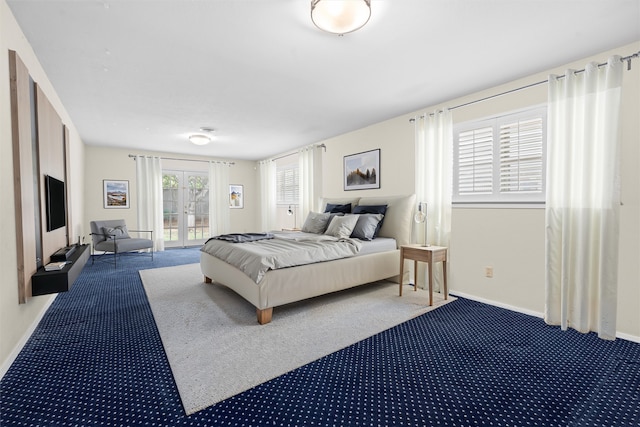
(219, 218)
(310, 170)
(434, 169)
(149, 198)
(583, 199)
(267, 194)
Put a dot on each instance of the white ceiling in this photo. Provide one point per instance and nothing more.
(144, 74)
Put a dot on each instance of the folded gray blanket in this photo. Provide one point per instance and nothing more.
(243, 237)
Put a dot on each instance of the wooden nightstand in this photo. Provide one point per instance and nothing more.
(428, 254)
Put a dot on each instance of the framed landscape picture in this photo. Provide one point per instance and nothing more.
(236, 196)
(362, 170)
(115, 194)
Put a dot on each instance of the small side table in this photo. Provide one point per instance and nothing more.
(428, 254)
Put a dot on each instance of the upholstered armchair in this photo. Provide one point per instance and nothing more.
(112, 237)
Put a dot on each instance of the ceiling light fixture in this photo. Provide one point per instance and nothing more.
(201, 139)
(340, 16)
(198, 139)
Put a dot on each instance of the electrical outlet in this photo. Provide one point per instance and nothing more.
(488, 272)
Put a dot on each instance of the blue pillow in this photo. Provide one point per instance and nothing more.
(366, 226)
(332, 208)
(372, 209)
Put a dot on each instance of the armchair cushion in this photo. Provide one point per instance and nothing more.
(124, 245)
(97, 233)
(119, 232)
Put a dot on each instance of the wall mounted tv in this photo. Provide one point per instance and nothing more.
(56, 203)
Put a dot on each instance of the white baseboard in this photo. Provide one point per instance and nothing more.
(620, 335)
(500, 304)
(19, 346)
(628, 337)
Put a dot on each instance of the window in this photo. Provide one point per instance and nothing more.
(288, 184)
(501, 159)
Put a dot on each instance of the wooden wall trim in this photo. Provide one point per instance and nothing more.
(24, 197)
(67, 179)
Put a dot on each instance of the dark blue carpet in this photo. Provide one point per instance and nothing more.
(96, 359)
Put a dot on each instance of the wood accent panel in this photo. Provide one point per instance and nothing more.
(51, 159)
(24, 197)
(34, 156)
(67, 178)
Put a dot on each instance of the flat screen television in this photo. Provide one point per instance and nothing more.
(56, 203)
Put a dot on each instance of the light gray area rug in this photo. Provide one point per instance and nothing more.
(217, 349)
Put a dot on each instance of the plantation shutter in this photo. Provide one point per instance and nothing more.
(521, 156)
(288, 184)
(475, 161)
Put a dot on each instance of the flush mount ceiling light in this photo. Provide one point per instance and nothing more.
(199, 139)
(340, 16)
(202, 139)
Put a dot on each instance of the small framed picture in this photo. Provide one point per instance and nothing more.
(115, 194)
(362, 170)
(236, 196)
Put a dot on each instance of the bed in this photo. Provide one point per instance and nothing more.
(281, 286)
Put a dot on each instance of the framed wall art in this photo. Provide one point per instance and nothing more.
(115, 194)
(236, 196)
(362, 170)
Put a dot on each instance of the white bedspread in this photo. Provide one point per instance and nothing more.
(286, 249)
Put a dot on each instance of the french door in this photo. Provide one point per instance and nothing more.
(185, 200)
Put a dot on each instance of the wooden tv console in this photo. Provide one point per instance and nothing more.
(51, 282)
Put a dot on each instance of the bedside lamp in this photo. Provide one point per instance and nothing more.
(290, 212)
(421, 217)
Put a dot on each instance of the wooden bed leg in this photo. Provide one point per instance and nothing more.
(264, 316)
(207, 280)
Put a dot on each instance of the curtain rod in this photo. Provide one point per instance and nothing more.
(294, 152)
(625, 58)
(133, 156)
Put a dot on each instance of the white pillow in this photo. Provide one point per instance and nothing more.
(342, 226)
(316, 222)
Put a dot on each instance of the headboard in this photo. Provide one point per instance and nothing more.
(398, 220)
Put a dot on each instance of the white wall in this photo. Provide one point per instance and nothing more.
(109, 163)
(394, 138)
(510, 240)
(16, 320)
